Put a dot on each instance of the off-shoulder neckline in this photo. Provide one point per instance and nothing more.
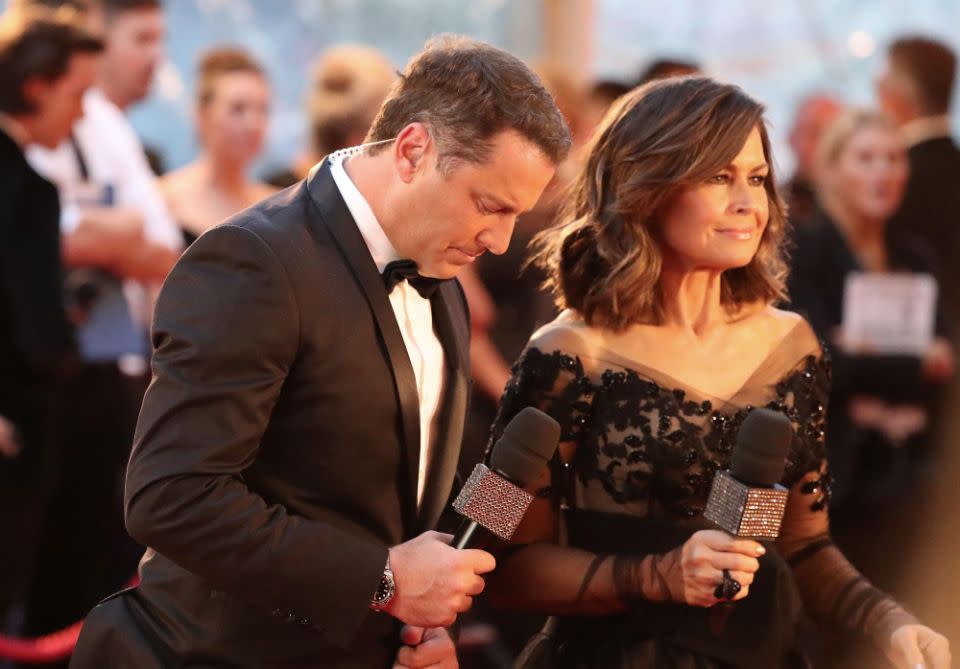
(669, 383)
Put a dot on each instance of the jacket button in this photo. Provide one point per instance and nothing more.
(291, 617)
(304, 622)
(276, 613)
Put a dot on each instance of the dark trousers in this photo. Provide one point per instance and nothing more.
(84, 552)
(26, 481)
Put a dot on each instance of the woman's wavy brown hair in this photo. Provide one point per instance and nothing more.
(604, 259)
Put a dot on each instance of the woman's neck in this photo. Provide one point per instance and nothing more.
(223, 175)
(865, 234)
(691, 299)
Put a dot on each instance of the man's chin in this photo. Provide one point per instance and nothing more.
(445, 270)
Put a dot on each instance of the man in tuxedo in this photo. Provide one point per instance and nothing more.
(47, 61)
(310, 379)
(915, 89)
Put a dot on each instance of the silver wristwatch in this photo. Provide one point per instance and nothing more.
(385, 591)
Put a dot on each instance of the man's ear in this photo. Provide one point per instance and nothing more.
(35, 91)
(410, 150)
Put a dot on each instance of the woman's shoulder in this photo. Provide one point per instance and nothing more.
(789, 331)
(263, 190)
(567, 333)
(179, 183)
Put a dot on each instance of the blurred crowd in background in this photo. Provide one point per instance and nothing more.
(874, 201)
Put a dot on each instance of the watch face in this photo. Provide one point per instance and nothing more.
(385, 590)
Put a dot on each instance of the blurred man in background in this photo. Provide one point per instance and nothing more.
(915, 89)
(814, 114)
(47, 61)
(119, 242)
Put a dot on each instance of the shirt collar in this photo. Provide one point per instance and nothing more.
(922, 129)
(15, 129)
(376, 239)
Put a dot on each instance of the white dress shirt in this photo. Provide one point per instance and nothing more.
(413, 316)
(113, 155)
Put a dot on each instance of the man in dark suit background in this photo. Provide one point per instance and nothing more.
(915, 89)
(300, 436)
(47, 61)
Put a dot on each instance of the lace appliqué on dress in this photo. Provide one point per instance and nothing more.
(642, 441)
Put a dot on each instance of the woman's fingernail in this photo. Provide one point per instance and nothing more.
(761, 550)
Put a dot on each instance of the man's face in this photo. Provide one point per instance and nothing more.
(894, 93)
(59, 103)
(450, 219)
(812, 119)
(134, 40)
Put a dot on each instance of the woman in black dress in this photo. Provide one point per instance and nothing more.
(879, 400)
(666, 265)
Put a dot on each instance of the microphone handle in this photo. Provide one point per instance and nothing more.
(466, 533)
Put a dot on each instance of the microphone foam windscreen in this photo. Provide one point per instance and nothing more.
(763, 444)
(526, 445)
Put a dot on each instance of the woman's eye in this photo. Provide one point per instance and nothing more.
(719, 179)
(758, 180)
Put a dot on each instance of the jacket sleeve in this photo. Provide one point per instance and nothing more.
(225, 335)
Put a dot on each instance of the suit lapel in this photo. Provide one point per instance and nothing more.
(334, 213)
(450, 323)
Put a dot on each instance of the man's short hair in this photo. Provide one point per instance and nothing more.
(114, 7)
(37, 42)
(465, 92)
(930, 67)
(77, 5)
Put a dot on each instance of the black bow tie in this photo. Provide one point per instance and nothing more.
(406, 270)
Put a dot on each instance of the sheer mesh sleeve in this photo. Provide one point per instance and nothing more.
(556, 384)
(834, 592)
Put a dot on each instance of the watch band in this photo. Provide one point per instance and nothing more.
(385, 590)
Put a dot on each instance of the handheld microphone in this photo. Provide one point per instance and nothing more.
(493, 498)
(747, 501)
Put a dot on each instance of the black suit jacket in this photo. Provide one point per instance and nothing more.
(36, 340)
(930, 211)
(277, 450)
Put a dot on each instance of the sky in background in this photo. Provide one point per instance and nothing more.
(777, 50)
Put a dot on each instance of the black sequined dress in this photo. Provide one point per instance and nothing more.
(642, 450)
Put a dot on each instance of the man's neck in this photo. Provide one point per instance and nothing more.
(114, 96)
(923, 128)
(371, 174)
(17, 130)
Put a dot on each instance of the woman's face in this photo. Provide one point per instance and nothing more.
(869, 174)
(718, 224)
(233, 123)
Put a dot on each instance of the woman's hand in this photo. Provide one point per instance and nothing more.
(918, 647)
(938, 361)
(9, 444)
(704, 557)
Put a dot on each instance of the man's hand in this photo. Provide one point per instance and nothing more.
(426, 649)
(434, 581)
(103, 237)
(9, 444)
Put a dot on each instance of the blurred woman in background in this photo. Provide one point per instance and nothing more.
(878, 399)
(347, 85)
(232, 113)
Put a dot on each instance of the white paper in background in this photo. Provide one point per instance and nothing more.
(889, 313)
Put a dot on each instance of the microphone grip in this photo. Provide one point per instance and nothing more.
(469, 533)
